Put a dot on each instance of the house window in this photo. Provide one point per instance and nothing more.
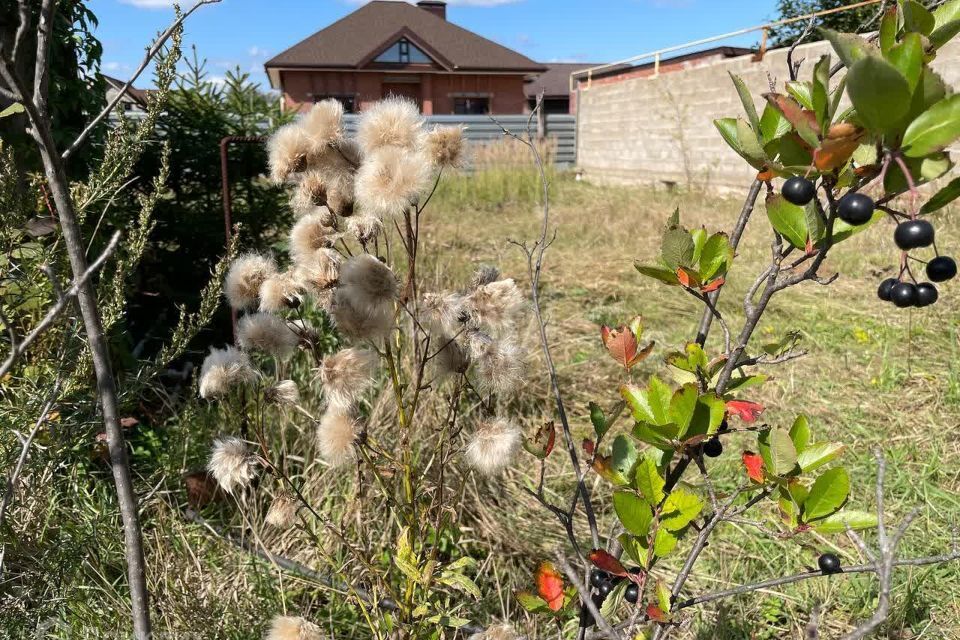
(403, 52)
(349, 102)
(471, 105)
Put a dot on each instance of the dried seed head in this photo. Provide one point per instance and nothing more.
(445, 146)
(267, 333)
(365, 228)
(443, 312)
(390, 180)
(336, 436)
(347, 375)
(247, 273)
(293, 628)
(283, 511)
(288, 150)
(223, 369)
(370, 280)
(391, 122)
(493, 446)
(320, 270)
(499, 364)
(308, 235)
(323, 124)
(496, 306)
(284, 393)
(485, 274)
(497, 632)
(280, 292)
(357, 317)
(231, 464)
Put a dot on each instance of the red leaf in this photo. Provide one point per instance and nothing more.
(765, 176)
(683, 277)
(754, 464)
(745, 410)
(654, 613)
(606, 562)
(542, 442)
(713, 286)
(622, 344)
(588, 446)
(550, 585)
(809, 247)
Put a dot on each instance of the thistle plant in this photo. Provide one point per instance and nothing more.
(828, 173)
(420, 382)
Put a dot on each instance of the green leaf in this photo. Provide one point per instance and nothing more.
(728, 131)
(838, 522)
(946, 13)
(664, 542)
(827, 494)
(782, 452)
(682, 407)
(658, 273)
(651, 404)
(599, 420)
(922, 169)
(916, 17)
(676, 248)
(715, 257)
(802, 91)
(450, 621)
(773, 124)
(788, 219)
(648, 480)
(816, 225)
(934, 129)
(624, 456)
(679, 509)
(16, 107)
(748, 105)
(531, 602)
(850, 47)
(818, 454)
(750, 147)
(404, 558)
(820, 98)
(944, 34)
(889, 25)
(879, 92)
(634, 512)
(800, 433)
(907, 57)
(663, 596)
(633, 547)
(461, 583)
(743, 382)
(943, 197)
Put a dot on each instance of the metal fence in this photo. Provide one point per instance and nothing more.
(561, 127)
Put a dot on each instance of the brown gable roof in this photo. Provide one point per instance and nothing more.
(356, 38)
(555, 81)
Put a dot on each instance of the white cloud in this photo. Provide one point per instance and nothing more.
(149, 4)
(115, 66)
(257, 52)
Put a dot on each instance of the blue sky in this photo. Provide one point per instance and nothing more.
(245, 33)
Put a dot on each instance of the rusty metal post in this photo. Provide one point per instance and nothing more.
(225, 194)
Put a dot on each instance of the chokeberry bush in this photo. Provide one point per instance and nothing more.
(850, 148)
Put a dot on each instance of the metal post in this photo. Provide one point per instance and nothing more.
(656, 65)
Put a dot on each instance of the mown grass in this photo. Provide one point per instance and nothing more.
(875, 376)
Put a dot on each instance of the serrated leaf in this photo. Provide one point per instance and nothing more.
(907, 57)
(650, 405)
(818, 454)
(530, 602)
(849, 47)
(667, 276)
(827, 494)
(773, 124)
(838, 522)
(715, 257)
(916, 18)
(679, 509)
(788, 219)
(879, 93)
(633, 512)
(934, 129)
(648, 480)
(728, 131)
(549, 585)
(623, 457)
(748, 105)
(606, 562)
(664, 542)
(820, 93)
(889, 25)
(676, 248)
(783, 455)
(447, 620)
(753, 463)
(633, 548)
(664, 596)
(461, 583)
(750, 147)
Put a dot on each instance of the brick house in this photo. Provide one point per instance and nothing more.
(395, 48)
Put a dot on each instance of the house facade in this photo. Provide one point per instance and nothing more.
(394, 48)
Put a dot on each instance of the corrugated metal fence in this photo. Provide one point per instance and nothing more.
(560, 127)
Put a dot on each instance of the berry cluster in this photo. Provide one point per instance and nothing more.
(857, 209)
(604, 583)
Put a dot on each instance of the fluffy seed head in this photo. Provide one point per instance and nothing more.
(369, 278)
(391, 122)
(497, 306)
(357, 317)
(283, 511)
(452, 358)
(493, 446)
(310, 233)
(243, 281)
(390, 180)
(365, 228)
(323, 124)
(293, 628)
(336, 435)
(485, 274)
(223, 369)
(287, 150)
(347, 374)
(284, 393)
(267, 333)
(499, 364)
(320, 270)
(444, 312)
(231, 464)
(496, 632)
(281, 291)
(445, 146)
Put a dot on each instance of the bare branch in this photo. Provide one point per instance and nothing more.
(152, 52)
(40, 70)
(22, 28)
(18, 348)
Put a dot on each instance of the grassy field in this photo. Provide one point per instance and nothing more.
(875, 376)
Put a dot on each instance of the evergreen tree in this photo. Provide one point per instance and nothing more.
(849, 21)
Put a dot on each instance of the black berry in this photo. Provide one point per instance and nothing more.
(829, 563)
(941, 268)
(606, 588)
(632, 594)
(913, 234)
(904, 294)
(598, 577)
(926, 294)
(724, 425)
(712, 447)
(855, 208)
(883, 292)
(798, 190)
(586, 618)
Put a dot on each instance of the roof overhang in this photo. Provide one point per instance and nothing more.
(273, 72)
